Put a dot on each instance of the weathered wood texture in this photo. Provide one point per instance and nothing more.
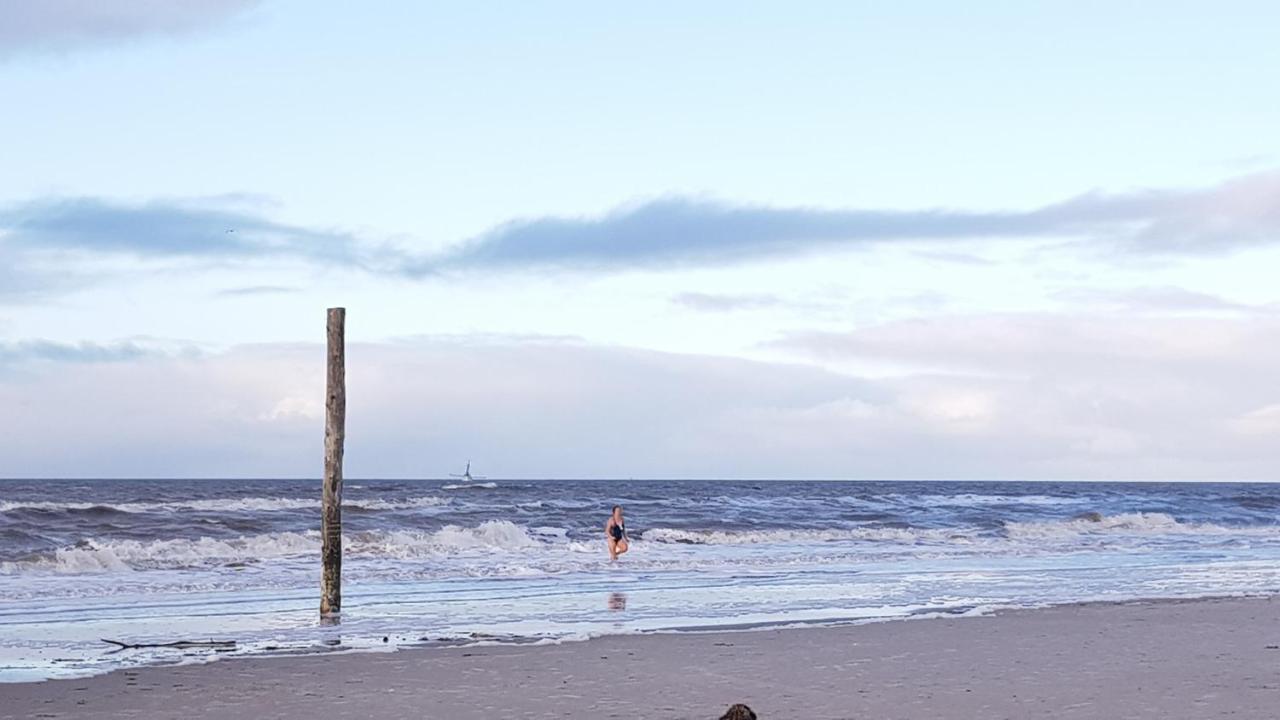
(177, 644)
(335, 430)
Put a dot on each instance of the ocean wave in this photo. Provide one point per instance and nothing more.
(470, 486)
(451, 539)
(96, 556)
(48, 506)
(548, 545)
(405, 504)
(780, 536)
(983, 499)
(251, 504)
(1135, 523)
(1140, 524)
(248, 504)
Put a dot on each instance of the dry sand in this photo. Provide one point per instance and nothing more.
(1187, 659)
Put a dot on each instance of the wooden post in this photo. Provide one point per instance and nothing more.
(335, 431)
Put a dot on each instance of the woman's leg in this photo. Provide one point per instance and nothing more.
(621, 546)
(613, 549)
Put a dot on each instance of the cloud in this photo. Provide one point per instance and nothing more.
(257, 290)
(21, 281)
(1263, 421)
(1150, 299)
(165, 229)
(680, 231)
(1091, 396)
(47, 351)
(1038, 343)
(37, 237)
(64, 25)
(415, 408)
(954, 258)
(59, 244)
(1185, 401)
(715, 302)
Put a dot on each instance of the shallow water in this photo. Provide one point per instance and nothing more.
(433, 561)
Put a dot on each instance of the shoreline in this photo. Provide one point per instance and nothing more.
(1208, 654)
(364, 643)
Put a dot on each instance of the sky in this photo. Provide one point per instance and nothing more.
(914, 240)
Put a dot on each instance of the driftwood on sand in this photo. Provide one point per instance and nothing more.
(178, 644)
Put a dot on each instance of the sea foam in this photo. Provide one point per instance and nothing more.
(96, 556)
(221, 505)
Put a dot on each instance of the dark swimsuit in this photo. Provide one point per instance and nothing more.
(617, 531)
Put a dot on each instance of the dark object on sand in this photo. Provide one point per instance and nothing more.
(739, 712)
(180, 644)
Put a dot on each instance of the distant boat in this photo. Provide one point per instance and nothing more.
(466, 475)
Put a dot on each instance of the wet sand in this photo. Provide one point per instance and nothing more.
(1161, 659)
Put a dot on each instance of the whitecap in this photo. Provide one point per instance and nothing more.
(1134, 523)
(756, 537)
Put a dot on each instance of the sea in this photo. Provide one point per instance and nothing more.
(432, 562)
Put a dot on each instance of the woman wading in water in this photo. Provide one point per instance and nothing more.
(616, 533)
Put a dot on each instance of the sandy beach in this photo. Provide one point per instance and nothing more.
(444, 361)
(1159, 659)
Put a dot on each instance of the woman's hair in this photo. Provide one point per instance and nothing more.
(616, 508)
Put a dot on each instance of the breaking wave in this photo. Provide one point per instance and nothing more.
(407, 504)
(94, 556)
(984, 499)
(771, 537)
(248, 504)
(98, 555)
(1136, 523)
(1139, 525)
(90, 556)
